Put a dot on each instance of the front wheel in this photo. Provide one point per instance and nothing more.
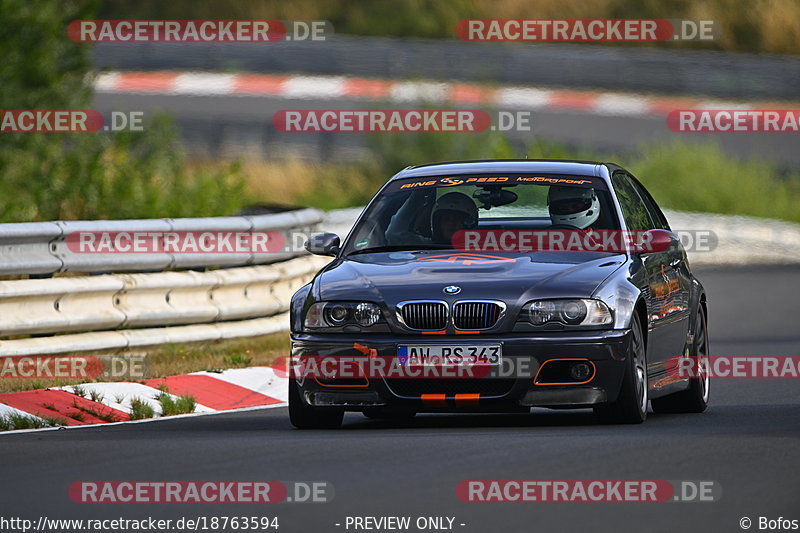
(304, 416)
(631, 404)
(695, 398)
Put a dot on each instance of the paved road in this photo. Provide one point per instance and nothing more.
(747, 441)
(242, 125)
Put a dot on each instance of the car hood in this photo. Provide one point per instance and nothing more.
(513, 278)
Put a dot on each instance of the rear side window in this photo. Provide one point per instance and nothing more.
(655, 212)
(634, 210)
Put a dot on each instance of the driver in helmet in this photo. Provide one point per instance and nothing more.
(577, 207)
(451, 213)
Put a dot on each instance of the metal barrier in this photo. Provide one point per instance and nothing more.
(125, 309)
(41, 247)
(205, 305)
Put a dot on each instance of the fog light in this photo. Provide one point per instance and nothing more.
(581, 371)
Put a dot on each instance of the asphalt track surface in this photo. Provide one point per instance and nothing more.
(747, 441)
(226, 125)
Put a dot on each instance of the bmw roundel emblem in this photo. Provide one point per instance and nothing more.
(452, 289)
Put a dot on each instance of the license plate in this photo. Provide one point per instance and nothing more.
(449, 355)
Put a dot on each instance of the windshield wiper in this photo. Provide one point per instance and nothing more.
(401, 248)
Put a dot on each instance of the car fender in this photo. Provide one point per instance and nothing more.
(621, 293)
(297, 308)
(697, 294)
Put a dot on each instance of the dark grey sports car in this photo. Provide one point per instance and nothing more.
(499, 286)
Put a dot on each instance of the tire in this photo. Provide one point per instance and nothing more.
(631, 404)
(695, 398)
(379, 413)
(304, 416)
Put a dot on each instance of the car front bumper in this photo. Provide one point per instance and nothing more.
(517, 390)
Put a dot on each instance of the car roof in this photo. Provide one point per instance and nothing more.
(548, 166)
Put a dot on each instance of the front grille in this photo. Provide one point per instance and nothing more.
(424, 315)
(476, 315)
(413, 388)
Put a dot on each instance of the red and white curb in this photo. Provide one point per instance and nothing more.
(292, 87)
(104, 403)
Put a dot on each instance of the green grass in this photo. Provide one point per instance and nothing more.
(17, 421)
(237, 360)
(692, 177)
(141, 409)
(102, 413)
(101, 175)
(96, 396)
(171, 406)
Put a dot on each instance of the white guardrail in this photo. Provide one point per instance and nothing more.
(127, 301)
(130, 301)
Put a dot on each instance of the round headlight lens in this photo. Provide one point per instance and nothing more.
(335, 314)
(573, 311)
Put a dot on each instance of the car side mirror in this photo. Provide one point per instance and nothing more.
(323, 244)
(656, 240)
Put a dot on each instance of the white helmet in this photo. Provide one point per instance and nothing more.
(573, 206)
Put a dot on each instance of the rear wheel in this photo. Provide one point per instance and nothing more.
(695, 398)
(304, 416)
(631, 404)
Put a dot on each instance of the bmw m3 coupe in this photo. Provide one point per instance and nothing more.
(498, 286)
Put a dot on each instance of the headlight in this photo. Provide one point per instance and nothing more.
(338, 314)
(569, 312)
(366, 314)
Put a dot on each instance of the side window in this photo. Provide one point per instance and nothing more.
(633, 208)
(652, 208)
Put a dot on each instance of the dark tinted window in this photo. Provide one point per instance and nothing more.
(633, 209)
(652, 208)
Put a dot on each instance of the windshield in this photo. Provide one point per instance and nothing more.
(431, 213)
